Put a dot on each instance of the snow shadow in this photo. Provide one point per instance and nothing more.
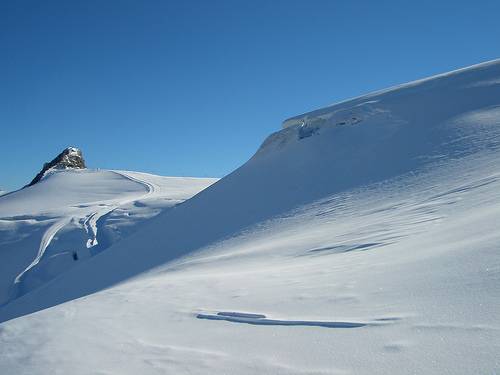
(260, 319)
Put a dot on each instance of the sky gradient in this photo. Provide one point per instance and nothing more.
(192, 88)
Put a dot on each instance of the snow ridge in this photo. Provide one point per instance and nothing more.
(360, 239)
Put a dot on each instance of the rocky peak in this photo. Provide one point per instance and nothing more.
(69, 158)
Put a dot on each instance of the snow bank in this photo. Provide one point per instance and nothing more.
(361, 238)
(73, 214)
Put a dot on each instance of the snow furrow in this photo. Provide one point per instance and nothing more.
(44, 243)
(89, 224)
(260, 319)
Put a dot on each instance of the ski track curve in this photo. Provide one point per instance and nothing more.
(44, 243)
(89, 222)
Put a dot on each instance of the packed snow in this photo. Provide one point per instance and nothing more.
(74, 214)
(362, 238)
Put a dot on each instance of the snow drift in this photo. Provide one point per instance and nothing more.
(73, 214)
(359, 232)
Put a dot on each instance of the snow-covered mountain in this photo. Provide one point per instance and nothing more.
(71, 213)
(69, 158)
(361, 238)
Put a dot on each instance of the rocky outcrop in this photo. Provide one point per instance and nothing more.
(70, 158)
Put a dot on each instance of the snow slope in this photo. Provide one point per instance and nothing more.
(362, 238)
(73, 214)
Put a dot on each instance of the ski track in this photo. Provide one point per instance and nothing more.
(44, 243)
(89, 222)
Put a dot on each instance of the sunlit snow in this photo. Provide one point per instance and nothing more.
(362, 238)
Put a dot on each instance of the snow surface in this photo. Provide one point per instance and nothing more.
(76, 213)
(360, 239)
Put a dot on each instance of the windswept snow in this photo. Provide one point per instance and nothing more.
(366, 246)
(69, 212)
(260, 319)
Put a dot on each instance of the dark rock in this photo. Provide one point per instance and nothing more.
(70, 158)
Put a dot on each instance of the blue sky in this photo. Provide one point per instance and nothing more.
(192, 88)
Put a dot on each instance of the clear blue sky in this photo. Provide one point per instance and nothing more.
(193, 87)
